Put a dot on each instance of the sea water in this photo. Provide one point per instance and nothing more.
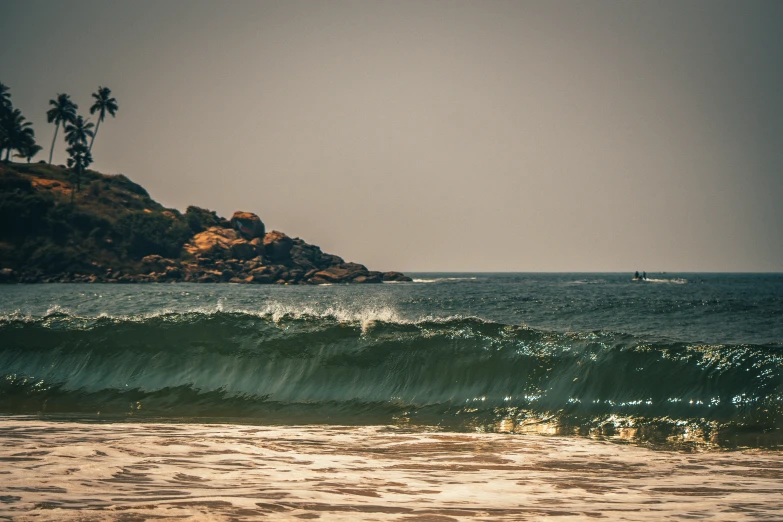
(455, 396)
(676, 359)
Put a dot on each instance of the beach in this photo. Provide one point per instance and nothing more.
(140, 471)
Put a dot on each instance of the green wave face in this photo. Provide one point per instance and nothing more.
(458, 373)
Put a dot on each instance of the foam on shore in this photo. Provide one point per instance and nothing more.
(66, 471)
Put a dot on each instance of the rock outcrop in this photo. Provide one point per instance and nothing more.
(277, 246)
(114, 232)
(220, 254)
(213, 242)
(248, 225)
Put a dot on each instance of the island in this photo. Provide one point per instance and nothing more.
(99, 228)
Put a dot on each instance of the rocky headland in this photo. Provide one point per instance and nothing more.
(111, 231)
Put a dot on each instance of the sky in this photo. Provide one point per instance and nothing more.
(437, 135)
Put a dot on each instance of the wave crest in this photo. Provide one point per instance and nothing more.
(373, 366)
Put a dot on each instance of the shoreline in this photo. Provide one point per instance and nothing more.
(69, 470)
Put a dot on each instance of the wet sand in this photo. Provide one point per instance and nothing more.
(66, 471)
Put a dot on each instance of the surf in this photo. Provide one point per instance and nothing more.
(291, 366)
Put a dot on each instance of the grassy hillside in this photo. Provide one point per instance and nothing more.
(47, 226)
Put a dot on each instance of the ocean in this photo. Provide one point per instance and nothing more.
(680, 358)
(519, 368)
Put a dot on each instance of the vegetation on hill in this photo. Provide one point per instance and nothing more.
(46, 226)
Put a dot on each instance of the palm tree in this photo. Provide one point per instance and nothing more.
(103, 104)
(80, 159)
(29, 148)
(78, 130)
(5, 142)
(5, 108)
(15, 131)
(63, 111)
(5, 97)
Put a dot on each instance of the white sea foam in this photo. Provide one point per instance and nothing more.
(414, 472)
(364, 316)
(676, 281)
(440, 279)
(56, 309)
(587, 282)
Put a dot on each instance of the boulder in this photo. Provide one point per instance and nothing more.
(248, 225)
(242, 249)
(370, 278)
(214, 241)
(277, 246)
(220, 243)
(210, 277)
(172, 273)
(328, 260)
(295, 275)
(156, 263)
(395, 276)
(305, 256)
(265, 274)
(250, 264)
(342, 273)
(151, 259)
(263, 278)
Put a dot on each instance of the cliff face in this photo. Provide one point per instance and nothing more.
(112, 231)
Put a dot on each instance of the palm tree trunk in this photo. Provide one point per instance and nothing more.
(53, 140)
(98, 126)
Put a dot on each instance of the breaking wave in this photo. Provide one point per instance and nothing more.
(442, 279)
(294, 366)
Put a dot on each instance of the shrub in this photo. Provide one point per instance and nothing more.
(120, 181)
(11, 181)
(200, 219)
(141, 234)
(58, 258)
(23, 215)
(95, 188)
(85, 222)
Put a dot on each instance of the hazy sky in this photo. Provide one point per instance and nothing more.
(438, 135)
